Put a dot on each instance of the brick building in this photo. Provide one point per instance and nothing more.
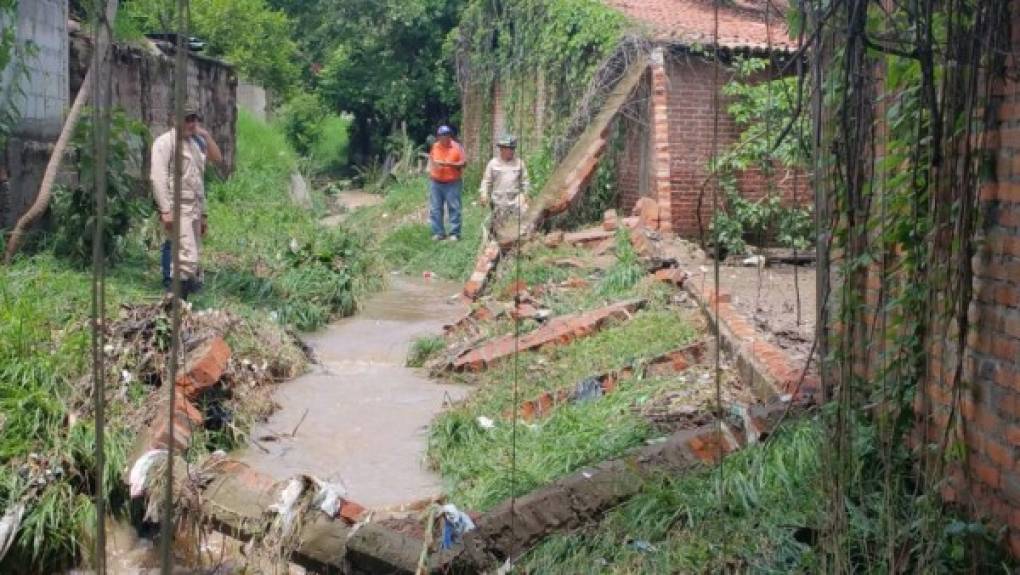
(669, 143)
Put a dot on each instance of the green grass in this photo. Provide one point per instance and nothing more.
(423, 349)
(329, 149)
(762, 513)
(475, 462)
(404, 239)
(266, 260)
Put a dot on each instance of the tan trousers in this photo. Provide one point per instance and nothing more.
(191, 239)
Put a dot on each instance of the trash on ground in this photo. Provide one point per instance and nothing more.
(139, 474)
(455, 524)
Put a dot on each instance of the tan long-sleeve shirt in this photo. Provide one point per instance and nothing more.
(505, 181)
(162, 172)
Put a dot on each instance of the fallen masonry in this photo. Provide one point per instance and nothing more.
(760, 362)
(673, 362)
(558, 330)
(509, 530)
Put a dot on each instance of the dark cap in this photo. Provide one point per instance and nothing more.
(444, 131)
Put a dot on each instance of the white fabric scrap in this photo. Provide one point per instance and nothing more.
(284, 506)
(140, 471)
(329, 497)
(485, 422)
(9, 525)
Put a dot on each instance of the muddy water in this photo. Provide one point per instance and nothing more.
(361, 416)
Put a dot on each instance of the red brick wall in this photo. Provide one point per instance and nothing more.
(691, 119)
(991, 403)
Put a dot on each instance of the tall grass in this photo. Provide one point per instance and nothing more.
(404, 240)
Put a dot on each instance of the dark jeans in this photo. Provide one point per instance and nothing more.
(447, 194)
(166, 258)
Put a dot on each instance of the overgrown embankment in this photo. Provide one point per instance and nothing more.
(268, 263)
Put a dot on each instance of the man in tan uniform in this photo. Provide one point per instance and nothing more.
(198, 147)
(505, 184)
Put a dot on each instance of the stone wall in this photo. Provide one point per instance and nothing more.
(254, 99)
(143, 87)
(41, 24)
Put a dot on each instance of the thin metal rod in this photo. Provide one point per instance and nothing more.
(715, 266)
(180, 94)
(100, 142)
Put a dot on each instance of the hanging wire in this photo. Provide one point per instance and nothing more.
(180, 94)
(715, 268)
(100, 141)
(517, 358)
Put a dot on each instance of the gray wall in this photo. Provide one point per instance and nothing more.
(253, 98)
(41, 24)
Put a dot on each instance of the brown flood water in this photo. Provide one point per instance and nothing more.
(361, 416)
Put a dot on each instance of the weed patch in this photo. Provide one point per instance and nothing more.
(475, 461)
(423, 349)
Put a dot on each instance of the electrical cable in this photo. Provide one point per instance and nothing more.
(180, 94)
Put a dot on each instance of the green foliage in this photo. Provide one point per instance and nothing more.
(515, 41)
(626, 272)
(403, 237)
(762, 110)
(74, 209)
(423, 349)
(382, 62)
(329, 152)
(247, 33)
(301, 119)
(272, 253)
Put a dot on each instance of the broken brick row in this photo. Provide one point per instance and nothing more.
(766, 361)
(483, 267)
(203, 367)
(557, 331)
(513, 527)
(666, 364)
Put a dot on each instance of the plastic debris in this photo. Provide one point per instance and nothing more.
(753, 261)
(485, 422)
(9, 525)
(139, 474)
(329, 497)
(588, 390)
(285, 505)
(455, 524)
(642, 545)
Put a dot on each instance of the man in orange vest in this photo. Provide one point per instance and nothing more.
(446, 168)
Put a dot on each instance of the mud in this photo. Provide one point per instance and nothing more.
(361, 417)
(766, 296)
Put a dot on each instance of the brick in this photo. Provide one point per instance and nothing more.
(203, 367)
(553, 239)
(588, 235)
(986, 473)
(556, 331)
(352, 512)
(609, 220)
(674, 276)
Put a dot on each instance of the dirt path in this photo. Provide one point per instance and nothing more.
(348, 201)
(365, 415)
